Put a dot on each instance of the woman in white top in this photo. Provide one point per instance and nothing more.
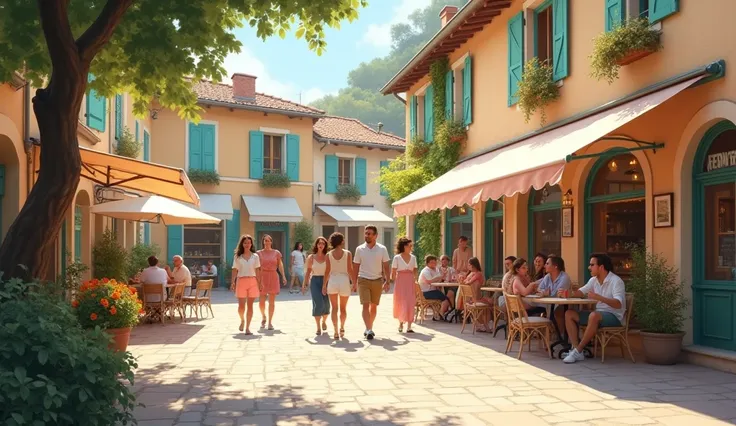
(316, 266)
(297, 266)
(337, 279)
(403, 271)
(246, 277)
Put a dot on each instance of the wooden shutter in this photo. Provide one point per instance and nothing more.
(660, 9)
(292, 157)
(195, 146)
(118, 116)
(429, 114)
(560, 43)
(256, 154)
(175, 240)
(146, 146)
(615, 12)
(412, 117)
(331, 165)
(232, 236)
(208, 147)
(384, 165)
(449, 92)
(361, 178)
(468, 91)
(516, 55)
(96, 108)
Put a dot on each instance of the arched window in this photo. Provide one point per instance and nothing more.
(494, 239)
(544, 221)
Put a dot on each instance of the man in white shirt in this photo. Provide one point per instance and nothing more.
(608, 289)
(370, 276)
(430, 275)
(154, 275)
(210, 268)
(180, 274)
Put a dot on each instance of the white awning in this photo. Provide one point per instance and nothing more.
(272, 209)
(217, 205)
(154, 209)
(356, 215)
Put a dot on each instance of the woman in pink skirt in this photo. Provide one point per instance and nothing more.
(270, 261)
(403, 272)
(245, 278)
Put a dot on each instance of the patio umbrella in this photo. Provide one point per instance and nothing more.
(154, 209)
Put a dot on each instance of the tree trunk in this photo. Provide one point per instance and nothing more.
(25, 251)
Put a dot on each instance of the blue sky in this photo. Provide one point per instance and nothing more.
(286, 67)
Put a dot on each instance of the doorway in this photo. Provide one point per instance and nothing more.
(279, 232)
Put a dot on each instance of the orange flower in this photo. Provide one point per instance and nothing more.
(113, 311)
(141, 311)
(104, 302)
(115, 296)
(93, 316)
(75, 303)
(132, 290)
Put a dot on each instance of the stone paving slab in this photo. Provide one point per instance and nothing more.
(207, 373)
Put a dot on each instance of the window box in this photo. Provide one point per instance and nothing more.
(621, 46)
(208, 177)
(348, 192)
(537, 89)
(634, 56)
(275, 179)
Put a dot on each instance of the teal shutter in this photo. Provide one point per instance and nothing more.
(146, 233)
(96, 108)
(208, 147)
(256, 154)
(560, 43)
(615, 12)
(175, 238)
(449, 98)
(292, 157)
(146, 146)
(77, 233)
(331, 164)
(660, 9)
(384, 165)
(195, 146)
(361, 180)
(232, 236)
(516, 55)
(429, 114)
(413, 117)
(118, 116)
(468, 91)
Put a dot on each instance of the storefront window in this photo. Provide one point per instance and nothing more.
(616, 211)
(720, 232)
(202, 243)
(459, 222)
(545, 221)
(494, 239)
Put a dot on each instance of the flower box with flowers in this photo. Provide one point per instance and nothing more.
(110, 305)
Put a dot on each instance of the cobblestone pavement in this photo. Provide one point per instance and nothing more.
(206, 372)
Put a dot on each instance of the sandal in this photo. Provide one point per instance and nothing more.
(342, 332)
(409, 330)
(401, 328)
(324, 325)
(248, 333)
(319, 332)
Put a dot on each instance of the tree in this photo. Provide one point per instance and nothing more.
(142, 47)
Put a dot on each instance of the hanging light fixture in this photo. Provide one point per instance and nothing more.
(613, 165)
(635, 176)
(567, 200)
(632, 162)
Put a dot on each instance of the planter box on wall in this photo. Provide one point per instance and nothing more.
(633, 56)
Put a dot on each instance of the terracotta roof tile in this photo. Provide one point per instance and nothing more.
(352, 130)
(221, 92)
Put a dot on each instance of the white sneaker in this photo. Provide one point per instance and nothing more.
(573, 356)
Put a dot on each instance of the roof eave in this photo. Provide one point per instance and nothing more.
(286, 112)
(354, 143)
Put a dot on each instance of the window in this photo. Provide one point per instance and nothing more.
(388, 238)
(543, 34)
(545, 221)
(458, 222)
(202, 243)
(328, 230)
(272, 154)
(344, 174)
(643, 8)
(494, 239)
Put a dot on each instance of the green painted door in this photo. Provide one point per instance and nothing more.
(279, 232)
(714, 238)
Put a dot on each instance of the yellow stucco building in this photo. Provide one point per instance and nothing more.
(649, 158)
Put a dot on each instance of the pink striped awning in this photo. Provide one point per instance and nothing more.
(530, 163)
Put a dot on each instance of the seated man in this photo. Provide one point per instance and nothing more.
(608, 289)
(180, 274)
(209, 268)
(555, 280)
(427, 277)
(154, 275)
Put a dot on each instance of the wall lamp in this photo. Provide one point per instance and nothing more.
(567, 200)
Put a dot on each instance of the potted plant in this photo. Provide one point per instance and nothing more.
(347, 192)
(659, 305)
(621, 46)
(127, 145)
(417, 148)
(536, 89)
(206, 177)
(275, 180)
(110, 305)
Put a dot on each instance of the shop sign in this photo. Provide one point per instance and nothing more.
(720, 160)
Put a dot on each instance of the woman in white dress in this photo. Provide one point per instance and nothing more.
(337, 280)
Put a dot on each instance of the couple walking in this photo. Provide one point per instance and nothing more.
(368, 271)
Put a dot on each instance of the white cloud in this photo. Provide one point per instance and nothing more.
(379, 35)
(247, 63)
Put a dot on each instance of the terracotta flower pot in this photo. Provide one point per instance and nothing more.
(457, 138)
(634, 56)
(120, 337)
(660, 348)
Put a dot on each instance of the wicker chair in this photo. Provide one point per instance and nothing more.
(175, 303)
(472, 309)
(497, 311)
(157, 309)
(200, 300)
(420, 309)
(606, 334)
(524, 326)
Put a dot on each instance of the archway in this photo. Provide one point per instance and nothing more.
(10, 184)
(82, 229)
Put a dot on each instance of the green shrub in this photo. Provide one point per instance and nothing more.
(208, 177)
(69, 283)
(127, 146)
(275, 180)
(611, 47)
(304, 233)
(54, 372)
(347, 192)
(138, 258)
(537, 89)
(110, 259)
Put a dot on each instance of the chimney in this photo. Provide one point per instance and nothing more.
(447, 13)
(244, 86)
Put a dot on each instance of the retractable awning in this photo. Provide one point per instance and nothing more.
(272, 209)
(154, 209)
(356, 215)
(110, 171)
(530, 163)
(217, 205)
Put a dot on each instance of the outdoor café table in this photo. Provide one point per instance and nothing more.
(492, 289)
(565, 303)
(443, 288)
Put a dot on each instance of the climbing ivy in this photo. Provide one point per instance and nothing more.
(425, 162)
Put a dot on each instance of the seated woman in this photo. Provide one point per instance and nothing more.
(476, 280)
(522, 287)
(429, 275)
